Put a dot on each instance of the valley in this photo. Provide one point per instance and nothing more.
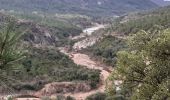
(84, 50)
(79, 59)
(83, 59)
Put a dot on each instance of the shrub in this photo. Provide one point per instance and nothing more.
(97, 96)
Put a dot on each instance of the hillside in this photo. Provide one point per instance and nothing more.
(132, 23)
(85, 7)
(59, 49)
(43, 63)
(49, 30)
(161, 2)
(106, 50)
(144, 55)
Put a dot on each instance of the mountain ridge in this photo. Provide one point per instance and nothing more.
(84, 7)
(162, 2)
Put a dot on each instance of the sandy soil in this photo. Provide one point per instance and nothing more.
(82, 59)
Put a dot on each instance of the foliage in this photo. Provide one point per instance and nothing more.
(107, 49)
(65, 27)
(144, 69)
(88, 7)
(58, 97)
(47, 65)
(41, 65)
(10, 51)
(97, 96)
(69, 98)
(144, 21)
(8, 46)
(40, 30)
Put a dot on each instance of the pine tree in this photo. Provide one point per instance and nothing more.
(145, 67)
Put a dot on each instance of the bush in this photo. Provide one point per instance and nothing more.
(60, 97)
(45, 98)
(46, 65)
(117, 97)
(107, 49)
(70, 98)
(97, 96)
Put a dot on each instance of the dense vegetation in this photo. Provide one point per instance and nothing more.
(97, 96)
(143, 66)
(144, 21)
(106, 49)
(65, 27)
(39, 65)
(144, 69)
(84, 7)
(48, 65)
(9, 52)
(59, 97)
(48, 31)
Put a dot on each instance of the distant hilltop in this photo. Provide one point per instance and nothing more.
(84, 7)
(162, 2)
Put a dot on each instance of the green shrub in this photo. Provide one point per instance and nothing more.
(60, 97)
(45, 98)
(97, 96)
(107, 49)
(69, 98)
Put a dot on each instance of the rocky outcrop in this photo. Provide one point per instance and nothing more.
(36, 34)
(85, 43)
(90, 39)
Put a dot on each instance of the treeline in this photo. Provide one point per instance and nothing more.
(42, 30)
(146, 21)
(90, 8)
(64, 26)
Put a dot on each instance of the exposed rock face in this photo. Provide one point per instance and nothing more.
(85, 43)
(90, 39)
(33, 33)
(37, 34)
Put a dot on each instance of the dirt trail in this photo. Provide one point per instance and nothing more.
(82, 59)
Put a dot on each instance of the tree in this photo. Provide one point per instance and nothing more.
(10, 52)
(145, 67)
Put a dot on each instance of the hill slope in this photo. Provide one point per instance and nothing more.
(144, 21)
(106, 49)
(43, 64)
(87, 7)
(161, 2)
